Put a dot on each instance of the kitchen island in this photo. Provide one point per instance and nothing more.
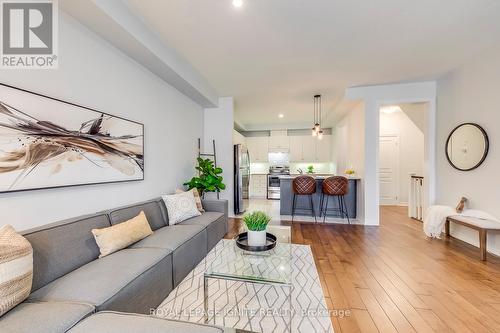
(302, 205)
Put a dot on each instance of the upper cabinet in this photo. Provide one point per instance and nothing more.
(258, 148)
(303, 148)
(295, 148)
(310, 149)
(324, 149)
(281, 142)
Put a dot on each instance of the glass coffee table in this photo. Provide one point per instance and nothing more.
(271, 267)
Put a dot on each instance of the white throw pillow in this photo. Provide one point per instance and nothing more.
(180, 207)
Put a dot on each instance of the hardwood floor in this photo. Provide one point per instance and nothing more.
(392, 279)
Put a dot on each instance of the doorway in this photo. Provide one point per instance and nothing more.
(401, 151)
(389, 170)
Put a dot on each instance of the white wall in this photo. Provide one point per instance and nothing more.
(348, 142)
(349, 150)
(471, 94)
(218, 126)
(411, 147)
(94, 74)
(238, 138)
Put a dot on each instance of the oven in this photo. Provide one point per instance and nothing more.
(273, 181)
(273, 186)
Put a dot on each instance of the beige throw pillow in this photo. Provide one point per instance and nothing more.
(16, 268)
(180, 207)
(122, 235)
(197, 198)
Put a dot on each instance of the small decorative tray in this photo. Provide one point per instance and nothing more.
(242, 243)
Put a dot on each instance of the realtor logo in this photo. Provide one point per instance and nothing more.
(29, 34)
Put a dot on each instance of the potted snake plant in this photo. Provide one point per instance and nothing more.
(256, 223)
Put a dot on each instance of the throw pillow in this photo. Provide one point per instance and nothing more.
(180, 207)
(16, 268)
(197, 198)
(120, 236)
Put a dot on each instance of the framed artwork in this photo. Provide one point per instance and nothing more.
(48, 143)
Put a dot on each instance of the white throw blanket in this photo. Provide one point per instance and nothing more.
(436, 217)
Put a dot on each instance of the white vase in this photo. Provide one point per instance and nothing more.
(257, 238)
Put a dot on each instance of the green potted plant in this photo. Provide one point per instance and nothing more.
(310, 169)
(210, 177)
(256, 223)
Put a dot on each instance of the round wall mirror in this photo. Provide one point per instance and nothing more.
(467, 146)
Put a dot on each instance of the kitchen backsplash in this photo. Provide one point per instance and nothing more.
(279, 159)
(263, 168)
(318, 167)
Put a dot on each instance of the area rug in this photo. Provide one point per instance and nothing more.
(253, 307)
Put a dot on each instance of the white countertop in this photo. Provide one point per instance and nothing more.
(319, 176)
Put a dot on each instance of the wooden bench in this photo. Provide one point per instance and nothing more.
(482, 226)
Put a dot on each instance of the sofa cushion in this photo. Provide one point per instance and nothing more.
(43, 317)
(214, 222)
(170, 237)
(116, 322)
(151, 209)
(204, 219)
(188, 244)
(100, 280)
(62, 247)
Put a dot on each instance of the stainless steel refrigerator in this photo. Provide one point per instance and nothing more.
(241, 178)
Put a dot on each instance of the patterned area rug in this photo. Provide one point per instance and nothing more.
(253, 307)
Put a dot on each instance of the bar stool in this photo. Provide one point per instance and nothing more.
(303, 185)
(336, 186)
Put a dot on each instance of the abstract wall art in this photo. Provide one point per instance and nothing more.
(47, 143)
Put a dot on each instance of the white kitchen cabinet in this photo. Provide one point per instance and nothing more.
(323, 149)
(307, 148)
(279, 142)
(295, 148)
(258, 148)
(258, 186)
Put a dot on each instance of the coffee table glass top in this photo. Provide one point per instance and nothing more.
(233, 263)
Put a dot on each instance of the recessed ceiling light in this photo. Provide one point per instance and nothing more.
(281, 115)
(237, 3)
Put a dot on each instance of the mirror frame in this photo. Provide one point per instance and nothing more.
(486, 146)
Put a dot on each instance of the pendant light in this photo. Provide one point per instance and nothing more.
(316, 130)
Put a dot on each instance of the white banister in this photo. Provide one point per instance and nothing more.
(415, 198)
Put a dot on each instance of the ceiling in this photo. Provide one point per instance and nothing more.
(272, 56)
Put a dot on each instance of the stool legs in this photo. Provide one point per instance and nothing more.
(311, 203)
(326, 208)
(341, 204)
(313, 213)
(344, 208)
(294, 200)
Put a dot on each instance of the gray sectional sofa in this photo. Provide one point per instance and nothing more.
(70, 282)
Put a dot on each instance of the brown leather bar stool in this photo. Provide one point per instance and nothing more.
(336, 186)
(303, 185)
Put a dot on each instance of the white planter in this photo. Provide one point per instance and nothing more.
(256, 238)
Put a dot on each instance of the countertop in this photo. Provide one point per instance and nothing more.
(319, 176)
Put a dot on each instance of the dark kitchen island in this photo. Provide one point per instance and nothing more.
(286, 197)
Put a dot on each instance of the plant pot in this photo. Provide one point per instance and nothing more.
(257, 238)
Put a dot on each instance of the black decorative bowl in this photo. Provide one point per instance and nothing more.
(242, 243)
